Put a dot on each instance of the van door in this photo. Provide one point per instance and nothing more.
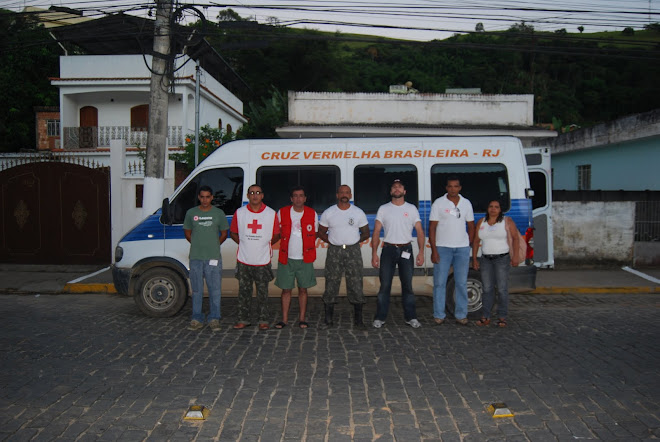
(540, 180)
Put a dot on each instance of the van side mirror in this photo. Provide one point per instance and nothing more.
(166, 213)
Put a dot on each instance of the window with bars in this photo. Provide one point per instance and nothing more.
(53, 128)
(584, 177)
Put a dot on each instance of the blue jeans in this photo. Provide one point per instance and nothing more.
(495, 273)
(201, 270)
(459, 257)
(390, 258)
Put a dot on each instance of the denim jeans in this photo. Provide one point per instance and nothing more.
(459, 257)
(390, 258)
(495, 273)
(201, 270)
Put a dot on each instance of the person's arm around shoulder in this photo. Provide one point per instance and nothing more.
(475, 246)
(420, 243)
(375, 242)
(512, 231)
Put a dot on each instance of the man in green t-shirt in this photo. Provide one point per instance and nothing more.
(205, 227)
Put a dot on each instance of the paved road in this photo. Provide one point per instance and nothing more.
(570, 367)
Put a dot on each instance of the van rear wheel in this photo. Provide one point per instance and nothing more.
(161, 293)
(475, 292)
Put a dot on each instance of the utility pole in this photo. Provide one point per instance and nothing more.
(154, 176)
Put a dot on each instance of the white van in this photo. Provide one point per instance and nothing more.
(151, 261)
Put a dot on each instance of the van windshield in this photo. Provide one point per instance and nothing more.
(480, 183)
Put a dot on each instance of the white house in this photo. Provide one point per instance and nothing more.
(105, 97)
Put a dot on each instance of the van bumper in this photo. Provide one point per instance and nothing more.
(522, 279)
(121, 277)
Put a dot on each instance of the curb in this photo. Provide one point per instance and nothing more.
(89, 288)
(596, 290)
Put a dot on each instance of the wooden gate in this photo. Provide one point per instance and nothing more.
(55, 213)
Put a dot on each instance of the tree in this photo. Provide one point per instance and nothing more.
(28, 56)
(581, 29)
(479, 27)
(628, 31)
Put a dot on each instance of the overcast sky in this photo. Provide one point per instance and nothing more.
(412, 19)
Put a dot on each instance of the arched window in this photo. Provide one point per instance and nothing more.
(140, 118)
(89, 116)
(219, 123)
(228, 128)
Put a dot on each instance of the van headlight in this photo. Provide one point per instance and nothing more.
(119, 253)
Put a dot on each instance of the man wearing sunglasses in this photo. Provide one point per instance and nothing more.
(450, 246)
(255, 229)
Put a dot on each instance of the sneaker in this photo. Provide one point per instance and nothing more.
(378, 323)
(195, 325)
(214, 324)
(414, 323)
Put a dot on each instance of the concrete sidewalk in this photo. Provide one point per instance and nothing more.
(58, 279)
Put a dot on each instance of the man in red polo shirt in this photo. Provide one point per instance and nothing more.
(298, 226)
(255, 229)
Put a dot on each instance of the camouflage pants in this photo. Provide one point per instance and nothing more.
(260, 276)
(348, 262)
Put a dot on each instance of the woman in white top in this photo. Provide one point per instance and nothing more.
(498, 236)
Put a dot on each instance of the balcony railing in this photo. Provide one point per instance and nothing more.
(94, 137)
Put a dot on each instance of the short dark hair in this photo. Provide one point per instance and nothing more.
(296, 188)
(453, 178)
(205, 189)
(255, 185)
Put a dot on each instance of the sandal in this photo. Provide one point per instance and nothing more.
(501, 322)
(303, 324)
(240, 325)
(280, 325)
(483, 321)
(263, 326)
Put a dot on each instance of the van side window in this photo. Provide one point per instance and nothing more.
(373, 181)
(538, 183)
(480, 183)
(320, 183)
(227, 185)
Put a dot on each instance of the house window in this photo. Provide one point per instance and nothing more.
(219, 123)
(53, 128)
(140, 118)
(228, 128)
(584, 177)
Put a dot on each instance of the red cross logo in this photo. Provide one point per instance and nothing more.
(254, 226)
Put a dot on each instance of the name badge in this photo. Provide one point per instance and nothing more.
(213, 262)
(405, 255)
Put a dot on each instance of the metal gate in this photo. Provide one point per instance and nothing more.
(54, 212)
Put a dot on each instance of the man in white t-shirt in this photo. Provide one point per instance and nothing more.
(450, 245)
(397, 219)
(343, 226)
(298, 226)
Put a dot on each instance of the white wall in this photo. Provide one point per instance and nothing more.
(454, 109)
(593, 232)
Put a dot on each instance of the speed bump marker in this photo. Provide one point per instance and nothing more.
(499, 409)
(196, 413)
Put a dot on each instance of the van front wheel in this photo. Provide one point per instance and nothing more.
(161, 293)
(475, 291)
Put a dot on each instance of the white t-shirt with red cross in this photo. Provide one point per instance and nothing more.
(255, 231)
(398, 222)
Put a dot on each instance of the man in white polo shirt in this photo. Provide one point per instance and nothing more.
(398, 219)
(343, 226)
(450, 245)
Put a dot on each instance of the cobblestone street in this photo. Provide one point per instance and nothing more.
(91, 367)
